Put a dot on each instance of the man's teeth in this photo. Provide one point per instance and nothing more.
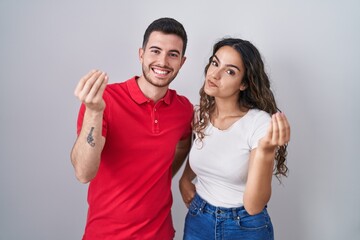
(160, 72)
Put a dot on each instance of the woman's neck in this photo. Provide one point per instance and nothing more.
(226, 113)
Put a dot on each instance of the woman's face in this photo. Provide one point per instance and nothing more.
(225, 73)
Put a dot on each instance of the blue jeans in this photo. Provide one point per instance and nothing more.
(205, 222)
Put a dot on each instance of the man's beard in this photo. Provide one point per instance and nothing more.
(149, 80)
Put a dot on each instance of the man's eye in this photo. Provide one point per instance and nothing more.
(155, 51)
(174, 55)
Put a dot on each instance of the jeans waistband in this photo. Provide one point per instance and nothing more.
(220, 212)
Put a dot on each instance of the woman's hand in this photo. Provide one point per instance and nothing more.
(278, 133)
(187, 190)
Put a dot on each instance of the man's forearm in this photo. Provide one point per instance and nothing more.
(86, 153)
(182, 151)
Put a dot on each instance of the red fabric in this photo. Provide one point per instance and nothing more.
(130, 197)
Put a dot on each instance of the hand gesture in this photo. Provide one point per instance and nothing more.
(278, 133)
(90, 90)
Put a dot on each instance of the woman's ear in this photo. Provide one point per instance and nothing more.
(243, 86)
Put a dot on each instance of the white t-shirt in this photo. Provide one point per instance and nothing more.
(221, 160)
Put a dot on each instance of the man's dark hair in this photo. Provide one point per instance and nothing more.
(167, 26)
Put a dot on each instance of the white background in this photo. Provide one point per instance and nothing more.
(312, 54)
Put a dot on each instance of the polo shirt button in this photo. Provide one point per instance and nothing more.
(156, 121)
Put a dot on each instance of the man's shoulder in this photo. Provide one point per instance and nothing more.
(180, 98)
(118, 86)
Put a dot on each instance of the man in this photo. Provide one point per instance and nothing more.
(132, 138)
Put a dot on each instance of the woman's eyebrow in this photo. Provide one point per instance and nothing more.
(228, 65)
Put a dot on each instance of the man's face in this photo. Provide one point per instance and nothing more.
(162, 58)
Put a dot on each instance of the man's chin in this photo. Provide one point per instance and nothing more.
(159, 82)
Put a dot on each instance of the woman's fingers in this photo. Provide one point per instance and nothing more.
(283, 130)
(287, 127)
(275, 127)
(187, 190)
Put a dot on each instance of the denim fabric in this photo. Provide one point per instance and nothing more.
(205, 222)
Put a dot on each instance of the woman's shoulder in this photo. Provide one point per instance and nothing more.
(257, 113)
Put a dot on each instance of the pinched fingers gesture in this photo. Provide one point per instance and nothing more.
(278, 133)
(90, 89)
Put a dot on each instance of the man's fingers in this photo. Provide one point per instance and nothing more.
(101, 89)
(89, 84)
(96, 88)
(82, 82)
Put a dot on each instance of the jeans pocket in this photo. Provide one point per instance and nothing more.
(193, 209)
(254, 222)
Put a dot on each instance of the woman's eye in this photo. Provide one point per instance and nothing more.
(214, 63)
(231, 72)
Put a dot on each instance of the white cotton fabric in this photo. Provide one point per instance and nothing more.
(221, 160)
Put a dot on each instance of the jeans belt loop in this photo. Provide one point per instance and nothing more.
(202, 205)
(235, 214)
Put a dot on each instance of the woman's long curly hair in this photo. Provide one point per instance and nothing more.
(256, 95)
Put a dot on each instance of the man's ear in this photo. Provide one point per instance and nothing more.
(141, 53)
(183, 61)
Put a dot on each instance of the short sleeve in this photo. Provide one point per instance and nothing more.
(260, 126)
(190, 115)
(81, 113)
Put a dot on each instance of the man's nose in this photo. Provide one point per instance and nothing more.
(163, 60)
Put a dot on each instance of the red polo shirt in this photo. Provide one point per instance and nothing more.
(130, 197)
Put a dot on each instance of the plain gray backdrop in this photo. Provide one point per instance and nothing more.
(312, 55)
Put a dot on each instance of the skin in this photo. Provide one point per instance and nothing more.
(161, 60)
(223, 81)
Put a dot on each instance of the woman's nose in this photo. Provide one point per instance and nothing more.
(215, 74)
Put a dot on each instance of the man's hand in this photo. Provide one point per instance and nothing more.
(90, 90)
(85, 155)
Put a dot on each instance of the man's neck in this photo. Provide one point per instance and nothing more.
(150, 91)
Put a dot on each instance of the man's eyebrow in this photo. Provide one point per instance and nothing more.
(176, 51)
(173, 50)
(228, 65)
(155, 47)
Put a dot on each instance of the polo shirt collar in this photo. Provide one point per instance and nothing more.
(138, 96)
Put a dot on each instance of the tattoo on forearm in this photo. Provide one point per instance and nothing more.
(90, 138)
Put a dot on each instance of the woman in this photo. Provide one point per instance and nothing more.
(240, 141)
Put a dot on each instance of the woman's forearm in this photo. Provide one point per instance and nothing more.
(258, 186)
